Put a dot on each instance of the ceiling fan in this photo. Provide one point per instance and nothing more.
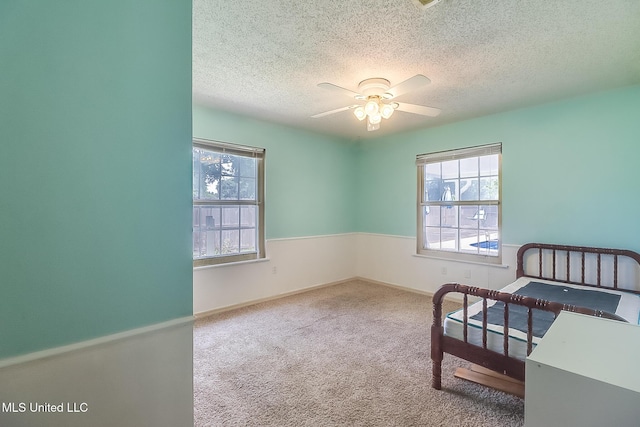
(377, 94)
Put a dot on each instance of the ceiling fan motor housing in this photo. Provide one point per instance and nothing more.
(376, 86)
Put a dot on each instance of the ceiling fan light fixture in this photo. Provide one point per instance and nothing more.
(359, 113)
(371, 107)
(386, 111)
(375, 95)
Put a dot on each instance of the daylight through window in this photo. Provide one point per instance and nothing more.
(459, 210)
(228, 203)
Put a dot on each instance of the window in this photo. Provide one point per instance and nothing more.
(228, 203)
(459, 210)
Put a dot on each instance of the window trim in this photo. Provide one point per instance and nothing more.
(245, 151)
(456, 154)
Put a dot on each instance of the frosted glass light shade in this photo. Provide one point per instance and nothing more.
(371, 107)
(359, 113)
(386, 111)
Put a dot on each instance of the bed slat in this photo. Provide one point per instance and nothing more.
(466, 318)
(529, 330)
(540, 274)
(599, 270)
(505, 330)
(484, 323)
(615, 271)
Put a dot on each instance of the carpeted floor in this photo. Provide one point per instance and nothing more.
(353, 354)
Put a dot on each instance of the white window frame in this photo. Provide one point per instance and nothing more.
(443, 156)
(245, 151)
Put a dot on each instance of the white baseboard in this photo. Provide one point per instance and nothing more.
(208, 313)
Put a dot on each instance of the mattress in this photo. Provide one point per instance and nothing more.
(623, 304)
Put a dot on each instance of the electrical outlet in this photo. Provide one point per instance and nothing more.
(467, 274)
(274, 270)
(444, 271)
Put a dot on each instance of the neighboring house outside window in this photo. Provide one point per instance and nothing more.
(228, 203)
(459, 203)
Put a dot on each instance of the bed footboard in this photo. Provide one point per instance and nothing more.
(482, 355)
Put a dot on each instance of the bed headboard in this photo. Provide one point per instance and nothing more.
(581, 265)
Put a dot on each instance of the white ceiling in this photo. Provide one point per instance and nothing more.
(265, 58)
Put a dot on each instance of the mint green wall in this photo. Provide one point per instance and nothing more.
(570, 171)
(309, 177)
(95, 164)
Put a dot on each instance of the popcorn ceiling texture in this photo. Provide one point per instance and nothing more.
(265, 58)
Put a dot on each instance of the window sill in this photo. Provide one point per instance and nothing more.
(229, 264)
(463, 261)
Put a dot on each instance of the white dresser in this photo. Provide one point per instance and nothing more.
(585, 372)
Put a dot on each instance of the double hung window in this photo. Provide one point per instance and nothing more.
(228, 203)
(459, 206)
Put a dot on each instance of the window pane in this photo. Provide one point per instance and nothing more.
(470, 216)
(248, 216)
(469, 189)
(206, 177)
(247, 189)
(247, 166)
(433, 238)
(449, 216)
(206, 243)
(231, 216)
(449, 191)
(490, 221)
(489, 165)
(432, 214)
(449, 239)
(209, 217)
(229, 167)
(248, 240)
(229, 188)
(230, 242)
(433, 190)
(469, 167)
(432, 171)
(450, 169)
(489, 188)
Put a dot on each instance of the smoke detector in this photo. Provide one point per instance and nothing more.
(423, 4)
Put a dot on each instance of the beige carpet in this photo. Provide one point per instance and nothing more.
(353, 354)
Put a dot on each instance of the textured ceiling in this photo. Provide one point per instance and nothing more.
(265, 59)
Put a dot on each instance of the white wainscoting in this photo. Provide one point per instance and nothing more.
(299, 264)
(393, 260)
(137, 378)
(292, 265)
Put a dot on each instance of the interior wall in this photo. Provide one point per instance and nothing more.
(568, 177)
(569, 171)
(292, 265)
(308, 209)
(95, 216)
(309, 177)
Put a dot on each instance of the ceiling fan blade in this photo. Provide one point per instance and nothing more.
(418, 109)
(414, 83)
(326, 113)
(341, 90)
